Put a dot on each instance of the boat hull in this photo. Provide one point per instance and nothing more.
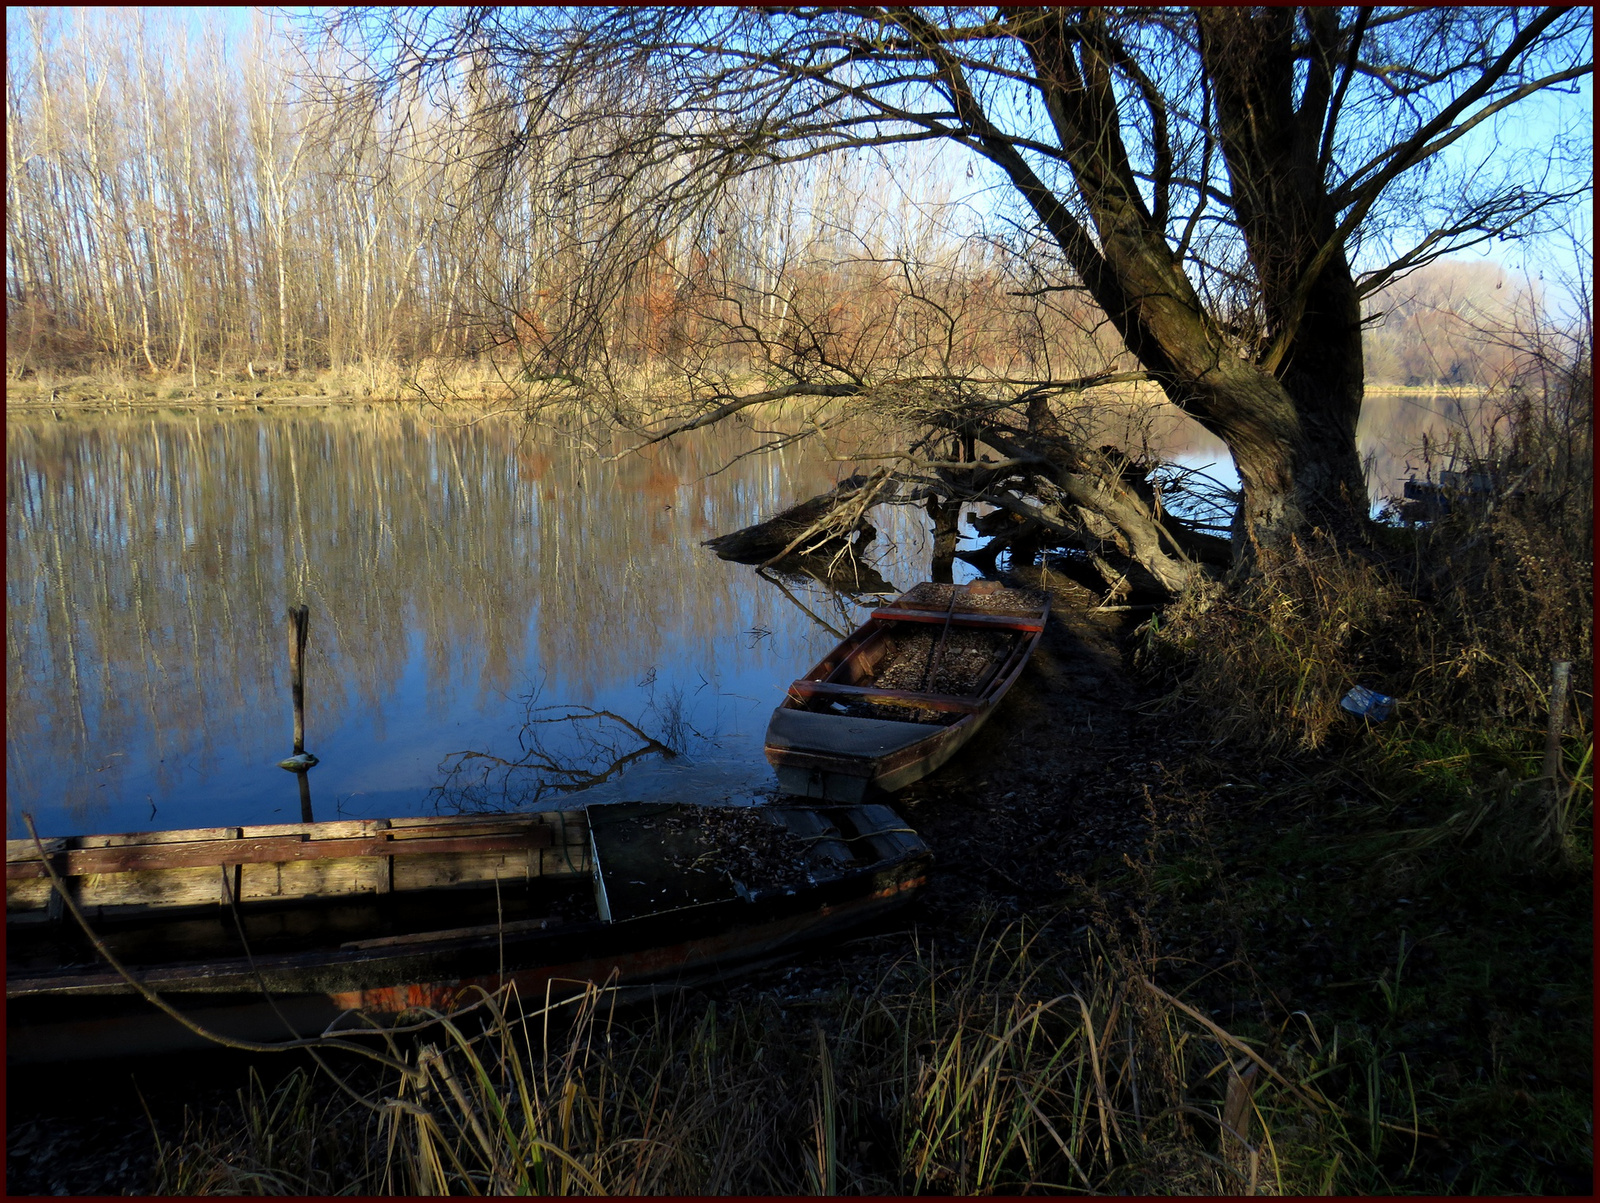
(822, 774)
(852, 759)
(874, 867)
(120, 1023)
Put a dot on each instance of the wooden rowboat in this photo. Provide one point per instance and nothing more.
(901, 695)
(267, 933)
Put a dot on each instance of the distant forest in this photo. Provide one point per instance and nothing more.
(179, 202)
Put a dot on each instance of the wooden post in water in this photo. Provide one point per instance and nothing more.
(299, 628)
(301, 761)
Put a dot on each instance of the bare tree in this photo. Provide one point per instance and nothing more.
(1224, 185)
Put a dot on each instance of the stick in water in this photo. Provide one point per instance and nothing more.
(299, 627)
(300, 760)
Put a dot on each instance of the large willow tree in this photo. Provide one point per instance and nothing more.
(1225, 185)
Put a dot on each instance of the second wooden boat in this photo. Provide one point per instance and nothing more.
(901, 695)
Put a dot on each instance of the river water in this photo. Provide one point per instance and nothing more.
(477, 599)
(494, 617)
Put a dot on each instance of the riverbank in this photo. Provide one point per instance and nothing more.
(245, 390)
(1411, 1023)
(92, 398)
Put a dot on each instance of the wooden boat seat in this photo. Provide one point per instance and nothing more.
(963, 618)
(838, 692)
(805, 731)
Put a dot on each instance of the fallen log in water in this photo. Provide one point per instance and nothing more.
(822, 523)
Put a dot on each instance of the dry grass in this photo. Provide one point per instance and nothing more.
(1269, 662)
(1459, 618)
(999, 1072)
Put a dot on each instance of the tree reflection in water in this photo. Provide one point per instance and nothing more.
(447, 565)
(592, 748)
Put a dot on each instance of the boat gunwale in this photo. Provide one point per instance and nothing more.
(281, 843)
(242, 974)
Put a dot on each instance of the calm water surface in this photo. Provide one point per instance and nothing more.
(493, 617)
(477, 599)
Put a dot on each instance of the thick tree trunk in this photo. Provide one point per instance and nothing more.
(1297, 463)
(1290, 424)
(1293, 435)
(1306, 474)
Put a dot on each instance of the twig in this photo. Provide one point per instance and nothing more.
(945, 634)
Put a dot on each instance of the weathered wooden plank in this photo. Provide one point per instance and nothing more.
(474, 831)
(547, 817)
(434, 872)
(27, 895)
(961, 618)
(567, 861)
(272, 849)
(182, 836)
(330, 829)
(313, 878)
(289, 880)
(158, 887)
(24, 849)
(801, 690)
(153, 871)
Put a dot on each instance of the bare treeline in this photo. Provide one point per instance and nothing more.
(1453, 323)
(185, 198)
(168, 206)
